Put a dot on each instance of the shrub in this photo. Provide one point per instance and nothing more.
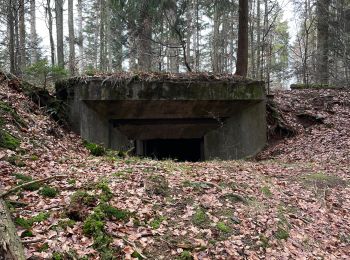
(94, 149)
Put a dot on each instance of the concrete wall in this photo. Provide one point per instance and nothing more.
(242, 135)
(94, 127)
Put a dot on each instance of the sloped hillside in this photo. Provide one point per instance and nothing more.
(292, 203)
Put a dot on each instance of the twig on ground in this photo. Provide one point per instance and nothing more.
(6, 193)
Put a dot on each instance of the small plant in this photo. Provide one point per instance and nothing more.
(264, 241)
(28, 223)
(112, 212)
(57, 256)
(71, 181)
(27, 233)
(44, 247)
(34, 157)
(64, 223)
(106, 193)
(223, 227)
(48, 191)
(266, 191)
(156, 222)
(16, 161)
(185, 255)
(94, 149)
(23, 177)
(200, 218)
(281, 233)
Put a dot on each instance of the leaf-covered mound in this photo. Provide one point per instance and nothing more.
(292, 205)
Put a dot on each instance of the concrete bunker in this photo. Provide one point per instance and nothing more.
(186, 117)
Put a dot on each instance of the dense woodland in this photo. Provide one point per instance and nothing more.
(178, 36)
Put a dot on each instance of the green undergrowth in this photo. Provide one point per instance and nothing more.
(200, 218)
(27, 223)
(185, 255)
(48, 191)
(8, 141)
(156, 222)
(94, 149)
(94, 224)
(22, 178)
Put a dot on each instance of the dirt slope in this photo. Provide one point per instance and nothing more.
(293, 204)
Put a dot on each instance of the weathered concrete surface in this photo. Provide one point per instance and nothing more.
(227, 115)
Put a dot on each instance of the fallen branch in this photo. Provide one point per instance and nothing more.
(6, 193)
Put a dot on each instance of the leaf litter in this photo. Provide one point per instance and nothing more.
(291, 202)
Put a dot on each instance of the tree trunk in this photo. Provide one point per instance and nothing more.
(11, 35)
(33, 36)
(22, 37)
(145, 38)
(80, 35)
(173, 53)
(50, 24)
(216, 40)
(242, 50)
(323, 40)
(258, 41)
(59, 32)
(71, 38)
(102, 35)
(10, 245)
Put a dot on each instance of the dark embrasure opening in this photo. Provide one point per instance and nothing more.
(177, 149)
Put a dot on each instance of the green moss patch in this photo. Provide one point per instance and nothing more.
(222, 227)
(200, 218)
(8, 141)
(48, 191)
(28, 223)
(156, 222)
(94, 149)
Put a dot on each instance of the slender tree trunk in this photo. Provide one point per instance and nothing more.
(33, 36)
(50, 25)
(102, 35)
(109, 37)
(59, 32)
(258, 41)
(188, 36)
(323, 40)
(144, 38)
(173, 53)
(11, 35)
(71, 38)
(242, 51)
(80, 35)
(216, 40)
(22, 37)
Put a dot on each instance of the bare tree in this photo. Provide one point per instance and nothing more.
(323, 40)
(71, 38)
(33, 35)
(242, 51)
(59, 32)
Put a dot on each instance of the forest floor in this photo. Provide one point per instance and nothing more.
(292, 202)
